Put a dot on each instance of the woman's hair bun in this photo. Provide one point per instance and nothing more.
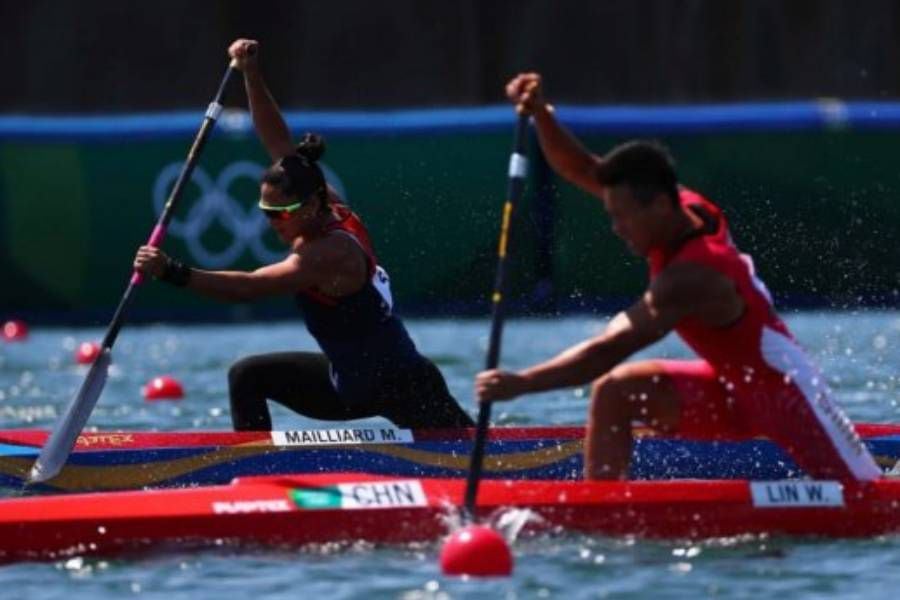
(311, 147)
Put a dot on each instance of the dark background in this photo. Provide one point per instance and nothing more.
(816, 201)
(119, 56)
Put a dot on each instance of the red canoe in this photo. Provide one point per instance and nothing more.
(300, 510)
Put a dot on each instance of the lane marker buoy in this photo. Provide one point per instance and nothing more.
(476, 551)
(15, 331)
(87, 353)
(163, 387)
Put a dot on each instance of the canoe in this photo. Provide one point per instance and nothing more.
(134, 460)
(289, 511)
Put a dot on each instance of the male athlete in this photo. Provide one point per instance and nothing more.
(752, 377)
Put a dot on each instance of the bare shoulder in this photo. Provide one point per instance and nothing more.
(688, 277)
(696, 288)
(335, 251)
(326, 247)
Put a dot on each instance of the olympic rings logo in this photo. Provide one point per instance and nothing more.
(216, 206)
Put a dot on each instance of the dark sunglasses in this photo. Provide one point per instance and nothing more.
(279, 213)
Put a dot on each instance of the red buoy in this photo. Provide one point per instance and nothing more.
(478, 551)
(87, 352)
(163, 388)
(15, 331)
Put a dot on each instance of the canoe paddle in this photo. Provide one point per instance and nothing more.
(57, 448)
(477, 549)
(518, 168)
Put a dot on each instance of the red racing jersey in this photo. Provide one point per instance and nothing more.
(774, 388)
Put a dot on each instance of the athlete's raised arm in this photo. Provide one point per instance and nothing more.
(564, 152)
(270, 126)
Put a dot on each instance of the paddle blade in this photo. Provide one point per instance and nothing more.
(56, 450)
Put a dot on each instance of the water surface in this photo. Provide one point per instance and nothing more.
(858, 351)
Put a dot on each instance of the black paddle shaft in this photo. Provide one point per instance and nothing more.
(193, 157)
(518, 168)
(56, 450)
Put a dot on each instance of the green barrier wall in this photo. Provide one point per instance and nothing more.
(817, 207)
(818, 211)
(73, 215)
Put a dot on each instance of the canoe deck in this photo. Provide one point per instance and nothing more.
(135, 460)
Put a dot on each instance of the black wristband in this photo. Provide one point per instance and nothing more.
(176, 272)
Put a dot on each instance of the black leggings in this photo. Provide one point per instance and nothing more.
(413, 398)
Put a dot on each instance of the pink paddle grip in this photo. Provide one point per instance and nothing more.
(156, 238)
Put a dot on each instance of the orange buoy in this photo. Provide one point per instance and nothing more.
(478, 551)
(163, 388)
(87, 352)
(15, 331)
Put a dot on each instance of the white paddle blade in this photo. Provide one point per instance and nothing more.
(59, 445)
